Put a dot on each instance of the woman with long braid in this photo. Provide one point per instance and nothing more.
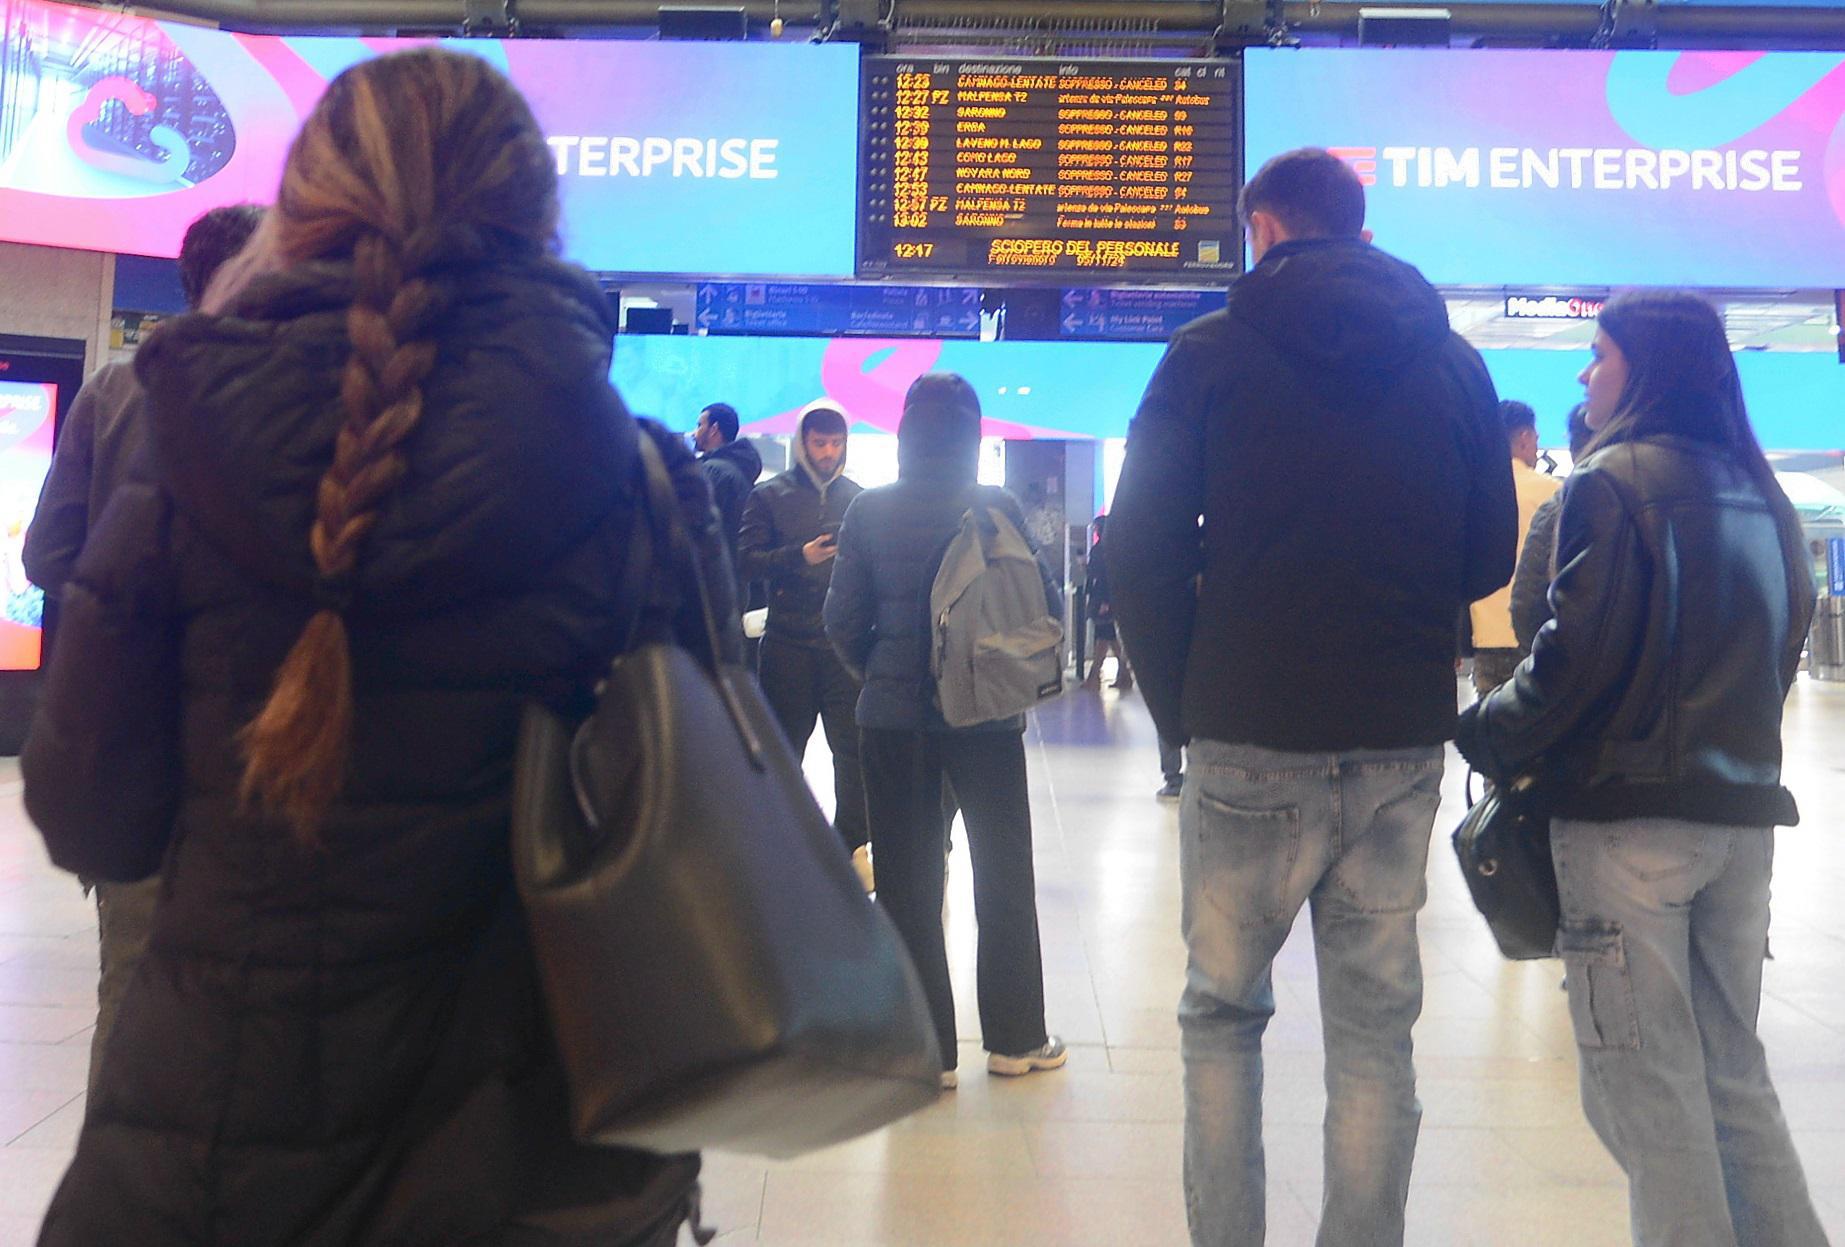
(388, 504)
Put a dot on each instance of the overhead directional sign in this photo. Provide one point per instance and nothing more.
(826, 310)
(1133, 315)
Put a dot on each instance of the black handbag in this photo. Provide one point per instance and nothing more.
(716, 976)
(1504, 849)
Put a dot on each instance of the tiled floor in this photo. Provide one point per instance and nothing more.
(1090, 1155)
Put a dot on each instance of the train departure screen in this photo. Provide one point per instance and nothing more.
(1125, 169)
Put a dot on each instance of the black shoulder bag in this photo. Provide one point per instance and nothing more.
(715, 975)
(1504, 848)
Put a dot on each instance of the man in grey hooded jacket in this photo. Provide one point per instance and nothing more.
(789, 539)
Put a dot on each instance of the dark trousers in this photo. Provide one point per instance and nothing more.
(904, 773)
(1172, 761)
(802, 683)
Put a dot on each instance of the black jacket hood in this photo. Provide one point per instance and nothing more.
(742, 455)
(245, 408)
(1345, 312)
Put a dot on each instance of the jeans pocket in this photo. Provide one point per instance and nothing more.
(1652, 857)
(1383, 868)
(1601, 990)
(1246, 857)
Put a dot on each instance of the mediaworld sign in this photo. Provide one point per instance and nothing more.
(1551, 307)
(1577, 168)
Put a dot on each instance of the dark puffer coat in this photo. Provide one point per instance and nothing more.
(731, 471)
(344, 1045)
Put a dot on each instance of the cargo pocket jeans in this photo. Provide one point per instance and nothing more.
(1665, 925)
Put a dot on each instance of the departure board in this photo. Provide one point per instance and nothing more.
(1124, 169)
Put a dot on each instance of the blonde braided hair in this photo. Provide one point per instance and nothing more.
(410, 162)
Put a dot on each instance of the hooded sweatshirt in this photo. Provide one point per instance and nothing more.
(1342, 447)
(877, 615)
(782, 516)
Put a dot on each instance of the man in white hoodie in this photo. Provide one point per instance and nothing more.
(788, 541)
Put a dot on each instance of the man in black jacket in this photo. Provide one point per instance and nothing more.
(1316, 484)
(790, 537)
(104, 436)
(731, 466)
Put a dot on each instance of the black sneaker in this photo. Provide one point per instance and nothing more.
(1170, 791)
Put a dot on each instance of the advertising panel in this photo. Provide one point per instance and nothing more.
(1577, 168)
(117, 131)
(1078, 389)
(27, 417)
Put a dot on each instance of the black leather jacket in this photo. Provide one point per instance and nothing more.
(1681, 610)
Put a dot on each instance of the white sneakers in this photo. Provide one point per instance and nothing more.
(1050, 1056)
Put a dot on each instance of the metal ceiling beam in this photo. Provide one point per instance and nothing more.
(1756, 26)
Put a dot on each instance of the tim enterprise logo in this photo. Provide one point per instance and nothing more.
(616, 155)
(1752, 171)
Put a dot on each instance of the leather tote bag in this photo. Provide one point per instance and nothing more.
(1504, 849)
(715, 975)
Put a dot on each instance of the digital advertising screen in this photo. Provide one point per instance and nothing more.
(1122, 170)
(1078, 390)
(117, 131)
(28, 416)
(1570, 168)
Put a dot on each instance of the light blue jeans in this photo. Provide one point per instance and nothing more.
(1263, 834)
(1664, 928)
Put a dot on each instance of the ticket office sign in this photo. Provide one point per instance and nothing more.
(1125, 169)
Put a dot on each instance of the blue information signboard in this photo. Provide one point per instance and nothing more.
(826, 310)
(1133, 315)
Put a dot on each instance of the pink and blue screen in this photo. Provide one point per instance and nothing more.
(1717, 169)
(117, 131)
(28, 415)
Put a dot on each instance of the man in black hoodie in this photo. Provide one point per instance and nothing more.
(790, 537)
(1316, 485)
(731, 466)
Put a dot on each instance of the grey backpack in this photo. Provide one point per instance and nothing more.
(995, 650)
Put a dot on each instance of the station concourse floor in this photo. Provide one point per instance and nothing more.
(1090, 1155)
